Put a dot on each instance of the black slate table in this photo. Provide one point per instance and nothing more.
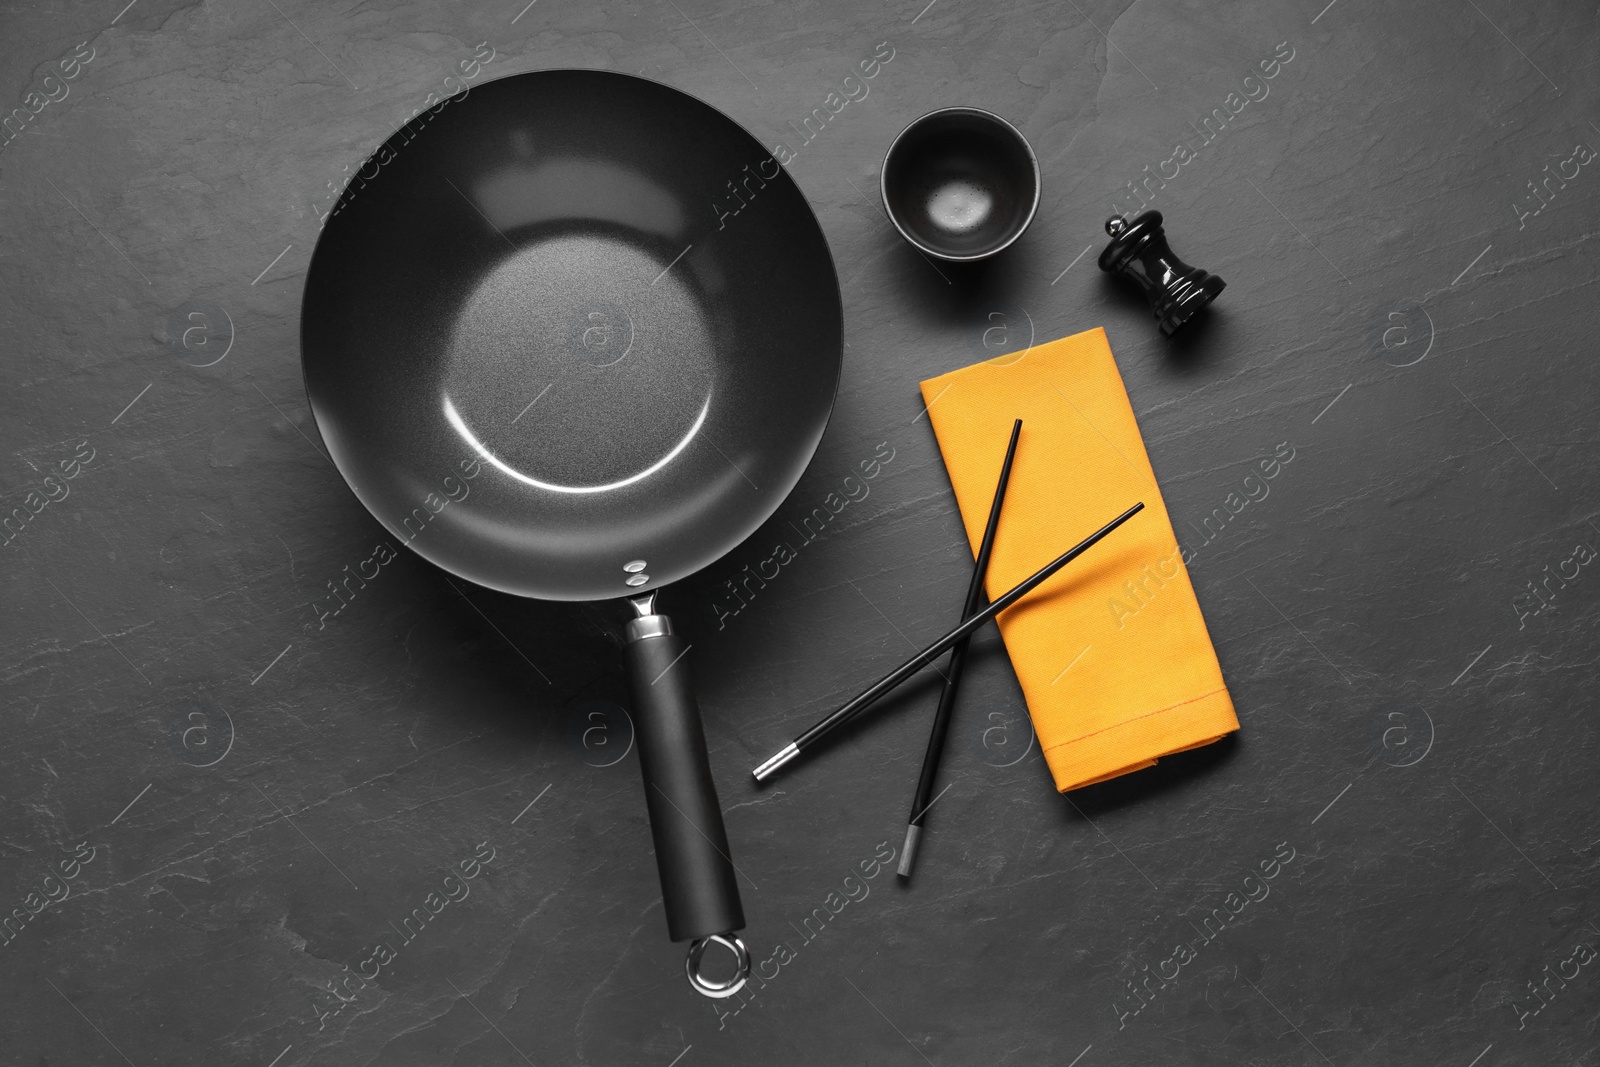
(223, 789)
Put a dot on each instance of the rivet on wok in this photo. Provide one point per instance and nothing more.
(635, 567)
(638, 579)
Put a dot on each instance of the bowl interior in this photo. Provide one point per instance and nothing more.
(961, 183)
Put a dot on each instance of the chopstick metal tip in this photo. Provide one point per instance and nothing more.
(908, 851)
(770, 767)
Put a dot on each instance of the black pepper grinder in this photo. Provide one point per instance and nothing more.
(1139, 250)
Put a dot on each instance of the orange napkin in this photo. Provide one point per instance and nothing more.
(1112, 652)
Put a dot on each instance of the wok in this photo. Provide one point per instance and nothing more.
(574, 335)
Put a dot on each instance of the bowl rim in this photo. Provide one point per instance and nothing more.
(959, 109)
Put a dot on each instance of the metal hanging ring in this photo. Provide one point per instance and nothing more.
(705, 986)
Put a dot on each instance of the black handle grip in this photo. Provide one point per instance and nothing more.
(692, 857)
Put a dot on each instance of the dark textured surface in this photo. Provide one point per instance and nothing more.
(268, 798)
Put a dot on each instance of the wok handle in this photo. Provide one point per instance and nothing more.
(698, 886)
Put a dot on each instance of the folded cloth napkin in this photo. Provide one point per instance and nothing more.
(1112, 652)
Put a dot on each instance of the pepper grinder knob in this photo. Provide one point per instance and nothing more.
(1139, 251)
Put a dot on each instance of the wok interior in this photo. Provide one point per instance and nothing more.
(576, 331)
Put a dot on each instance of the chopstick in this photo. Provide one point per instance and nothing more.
(958, 660)
(793, 749)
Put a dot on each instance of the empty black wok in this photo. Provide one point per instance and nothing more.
(574, 335)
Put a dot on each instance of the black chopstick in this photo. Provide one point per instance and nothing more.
(920, 802)
(793, 749)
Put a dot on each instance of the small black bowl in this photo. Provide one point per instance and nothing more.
(960, 183)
